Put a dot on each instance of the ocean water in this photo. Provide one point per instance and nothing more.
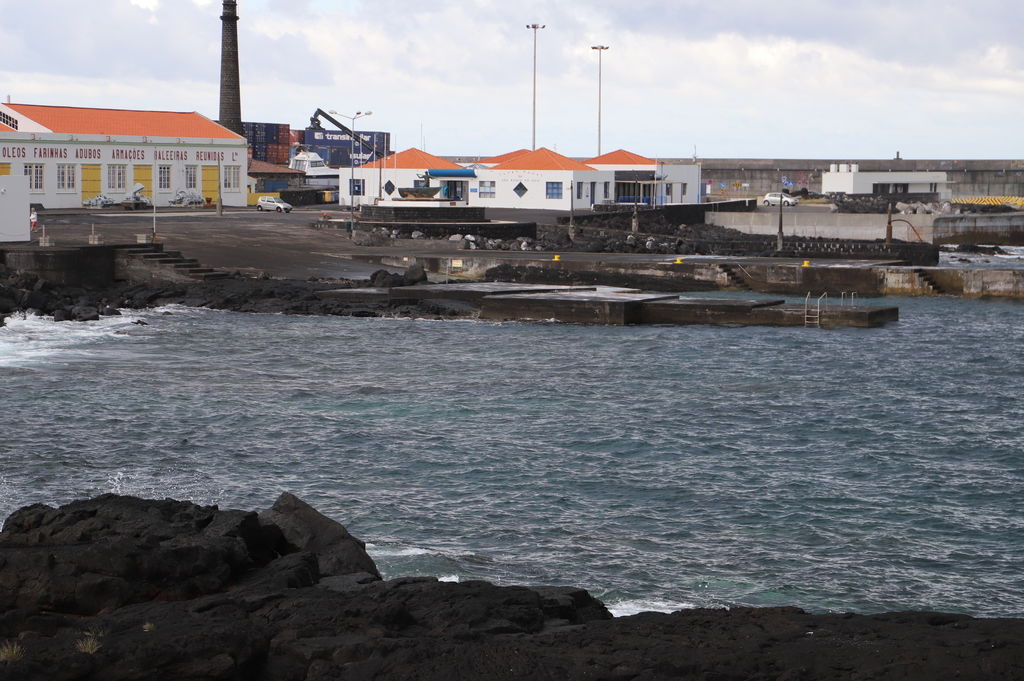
(659, 467)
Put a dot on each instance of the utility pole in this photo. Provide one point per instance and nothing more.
(534, 28)
(600, 49)
(778, 241)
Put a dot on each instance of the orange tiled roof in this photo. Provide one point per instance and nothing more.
(413, 159)
(80, 121)
(621, 157)
(504, 157)
(5, 128)
(541, 159)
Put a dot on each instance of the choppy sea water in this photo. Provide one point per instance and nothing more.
(658, 467)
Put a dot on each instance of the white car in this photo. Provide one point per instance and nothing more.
(773, 199)
(273, 203)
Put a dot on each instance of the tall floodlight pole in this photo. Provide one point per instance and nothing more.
(600, 49)
(534, 28)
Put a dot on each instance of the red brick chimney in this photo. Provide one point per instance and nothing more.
(230, 91)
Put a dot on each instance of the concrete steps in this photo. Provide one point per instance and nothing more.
(177, 266)
(735, 279)
(927, 283)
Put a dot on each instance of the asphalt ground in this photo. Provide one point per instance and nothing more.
(284, 245)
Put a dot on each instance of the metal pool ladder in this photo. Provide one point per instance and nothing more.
(812, 315)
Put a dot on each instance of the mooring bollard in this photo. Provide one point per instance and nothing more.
(807, 263)
(556, 258)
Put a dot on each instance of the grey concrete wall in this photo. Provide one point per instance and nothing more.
(828, 225)
(77, 266)
(1000, 228)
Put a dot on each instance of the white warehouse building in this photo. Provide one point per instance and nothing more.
(72, 155)
(849, 179)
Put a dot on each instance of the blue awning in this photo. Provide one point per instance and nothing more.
(446, 172)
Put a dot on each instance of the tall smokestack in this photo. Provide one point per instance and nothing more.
(230, 91)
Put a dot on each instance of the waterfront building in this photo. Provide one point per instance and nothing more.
(848, 178)
(639, 179)
(539, 179)
(84, 156)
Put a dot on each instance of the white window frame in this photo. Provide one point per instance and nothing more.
(117, 177)
(35, 173)
(232, 178)
(67, 177)
(191, 177)
(163, 175)
(487, 189)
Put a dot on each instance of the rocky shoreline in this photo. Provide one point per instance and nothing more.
(120, 588)
(28, 293)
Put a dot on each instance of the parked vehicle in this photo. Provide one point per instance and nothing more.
(273, 203)
(773, 199)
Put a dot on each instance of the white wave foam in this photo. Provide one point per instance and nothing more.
(396, 551)
(449, 578)
(633, 607)
(27, 340)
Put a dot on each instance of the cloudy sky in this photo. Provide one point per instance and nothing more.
(829, 79)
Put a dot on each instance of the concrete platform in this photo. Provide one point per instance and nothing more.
(356, 295)
(761, 313)
(582, 307)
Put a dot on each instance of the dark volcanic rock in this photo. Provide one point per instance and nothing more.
(306, 529)
(125, 589)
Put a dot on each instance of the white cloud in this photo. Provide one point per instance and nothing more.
(846, 79)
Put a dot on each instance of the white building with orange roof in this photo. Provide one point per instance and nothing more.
(540, 179)
(73, 155)
(544, 179)
(643, 180)
(380, 181)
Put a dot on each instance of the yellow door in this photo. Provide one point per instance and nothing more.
(143, 175)
(211, 178)
(91, 186)
(5, 168)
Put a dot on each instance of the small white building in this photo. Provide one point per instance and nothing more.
(540, 179)
(849, 179)
(642, 180)
(73, 155)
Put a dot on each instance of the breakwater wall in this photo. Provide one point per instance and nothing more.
(1001, 228)
(601, 238)
(864, 226)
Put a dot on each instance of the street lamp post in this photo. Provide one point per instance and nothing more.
(534, 28)
(352, 161)
(600, 49)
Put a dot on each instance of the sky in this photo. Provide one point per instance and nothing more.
(827, 79)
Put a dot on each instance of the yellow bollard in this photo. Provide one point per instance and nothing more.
(678, 261)
(807, 263)
(556, 258)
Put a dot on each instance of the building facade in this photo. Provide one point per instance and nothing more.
(848, 178)
(540, 179)
(77, 156)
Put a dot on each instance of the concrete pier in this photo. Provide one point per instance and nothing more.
(619, 306)
(581, 307)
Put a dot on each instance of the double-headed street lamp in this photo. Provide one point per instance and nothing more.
(600, 49)
(534, 27)
(352, 158)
